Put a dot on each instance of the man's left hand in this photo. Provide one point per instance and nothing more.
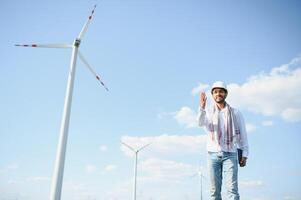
(243, 162)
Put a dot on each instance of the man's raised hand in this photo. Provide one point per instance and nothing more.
(203, 100)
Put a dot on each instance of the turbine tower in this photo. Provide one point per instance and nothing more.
(135, 166)
(57, 179)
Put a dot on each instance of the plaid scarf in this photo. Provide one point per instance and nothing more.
(231, 127)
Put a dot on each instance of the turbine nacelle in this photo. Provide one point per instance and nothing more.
(77, 42)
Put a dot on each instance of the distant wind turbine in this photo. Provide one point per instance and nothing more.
(57, 180)
(135, 166)
(200, 175)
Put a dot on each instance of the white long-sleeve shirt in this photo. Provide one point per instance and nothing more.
(204, 119)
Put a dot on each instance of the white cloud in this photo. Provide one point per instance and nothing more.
(276, 93)
(13, 166)
(291, 114)
(187, 117)
(166, 144)
(121, 190)
(165, 114)
(103, 148)
(109, 168)
(250, 127)
(251, 183)
(267, 123)
(38, 179)
(158, 169)
(77, 190)
(289, 198)
(200, 88)
(91, 168)
(13, 182)
(9, 167)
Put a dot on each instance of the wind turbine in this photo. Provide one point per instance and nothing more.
(200, 175)
(57, 179)
(135, 166)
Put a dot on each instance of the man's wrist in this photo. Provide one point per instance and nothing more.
(201, 108)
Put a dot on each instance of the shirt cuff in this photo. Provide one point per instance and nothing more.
(245, 153)
(201, 109)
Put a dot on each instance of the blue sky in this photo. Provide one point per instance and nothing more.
(155, 56)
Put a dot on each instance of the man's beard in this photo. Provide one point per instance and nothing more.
(220, 100)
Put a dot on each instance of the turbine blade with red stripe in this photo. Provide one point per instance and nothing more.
(91, 70)
(45, 45)
(85, 27)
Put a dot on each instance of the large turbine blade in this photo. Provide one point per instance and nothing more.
(91, 70)
(45, 45)
(85, 27)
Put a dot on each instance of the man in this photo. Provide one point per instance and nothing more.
(226, 132)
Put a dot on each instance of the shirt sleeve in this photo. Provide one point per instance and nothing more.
(202, 119)
(243, 141)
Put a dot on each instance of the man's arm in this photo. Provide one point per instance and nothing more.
(202, 121)
(243, 140)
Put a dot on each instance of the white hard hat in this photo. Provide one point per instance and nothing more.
(219, 84)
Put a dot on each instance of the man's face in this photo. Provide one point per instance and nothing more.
(219, 95)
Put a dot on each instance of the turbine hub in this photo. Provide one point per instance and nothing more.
(77, 42)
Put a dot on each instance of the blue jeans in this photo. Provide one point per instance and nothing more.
(219, 164)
